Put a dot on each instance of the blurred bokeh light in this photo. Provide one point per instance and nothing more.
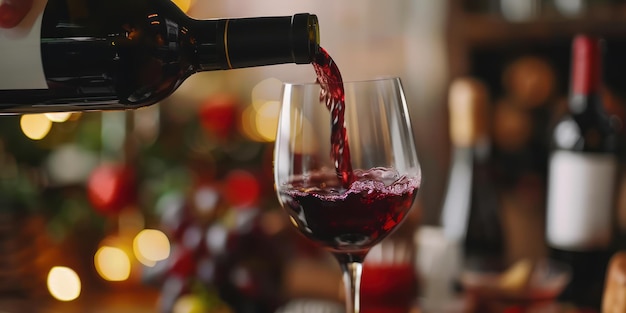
(35, 126)
(58, 117)
(63, 283)
(151, 245)
(112, 264)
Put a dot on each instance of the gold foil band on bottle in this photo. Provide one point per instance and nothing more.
(230, 66)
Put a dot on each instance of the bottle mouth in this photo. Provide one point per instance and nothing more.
(314, 30)
(304, 52)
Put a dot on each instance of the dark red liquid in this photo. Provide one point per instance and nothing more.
(350, 220)
(388, 287)
(333, 96)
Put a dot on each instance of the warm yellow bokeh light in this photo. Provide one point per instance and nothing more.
(267, 120)
(189, 304)
(151, 245)
(58, 117)
(248, 124)
(35, 126)
(113, 264)
(183, 5)
(63, 283)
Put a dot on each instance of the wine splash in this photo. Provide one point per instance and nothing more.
(333, 95)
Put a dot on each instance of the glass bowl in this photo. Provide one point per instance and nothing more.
(493, 287)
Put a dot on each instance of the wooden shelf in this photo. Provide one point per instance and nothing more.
(550, 33)
(478, 29)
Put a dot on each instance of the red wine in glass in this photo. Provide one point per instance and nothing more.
(350, 221)
(333, 95)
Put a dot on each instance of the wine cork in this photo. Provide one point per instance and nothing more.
(614, 298)
(468, 108)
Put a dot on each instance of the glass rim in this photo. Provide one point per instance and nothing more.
(345, 82)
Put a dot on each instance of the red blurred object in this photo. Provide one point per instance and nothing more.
(514, 309)
(12, 12)
(111, 187)
(218, 115)
(182, 262)
(241, 188)
(388, 287)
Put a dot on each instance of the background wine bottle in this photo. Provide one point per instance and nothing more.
(104, 55)
(470, 214)
(581, 179)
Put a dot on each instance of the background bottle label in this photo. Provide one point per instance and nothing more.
(580, 200)
(21, 66)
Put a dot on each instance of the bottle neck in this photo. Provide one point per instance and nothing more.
(586, 77)
(588, 127)
(248, 42)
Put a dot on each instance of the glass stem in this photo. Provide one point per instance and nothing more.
(352, 283)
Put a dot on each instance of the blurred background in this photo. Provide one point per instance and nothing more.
(171, 208)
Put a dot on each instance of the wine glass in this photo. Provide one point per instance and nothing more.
(346, 216)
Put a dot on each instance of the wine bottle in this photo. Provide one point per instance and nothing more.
(581, 179)
(471, 214)
(79, 55)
